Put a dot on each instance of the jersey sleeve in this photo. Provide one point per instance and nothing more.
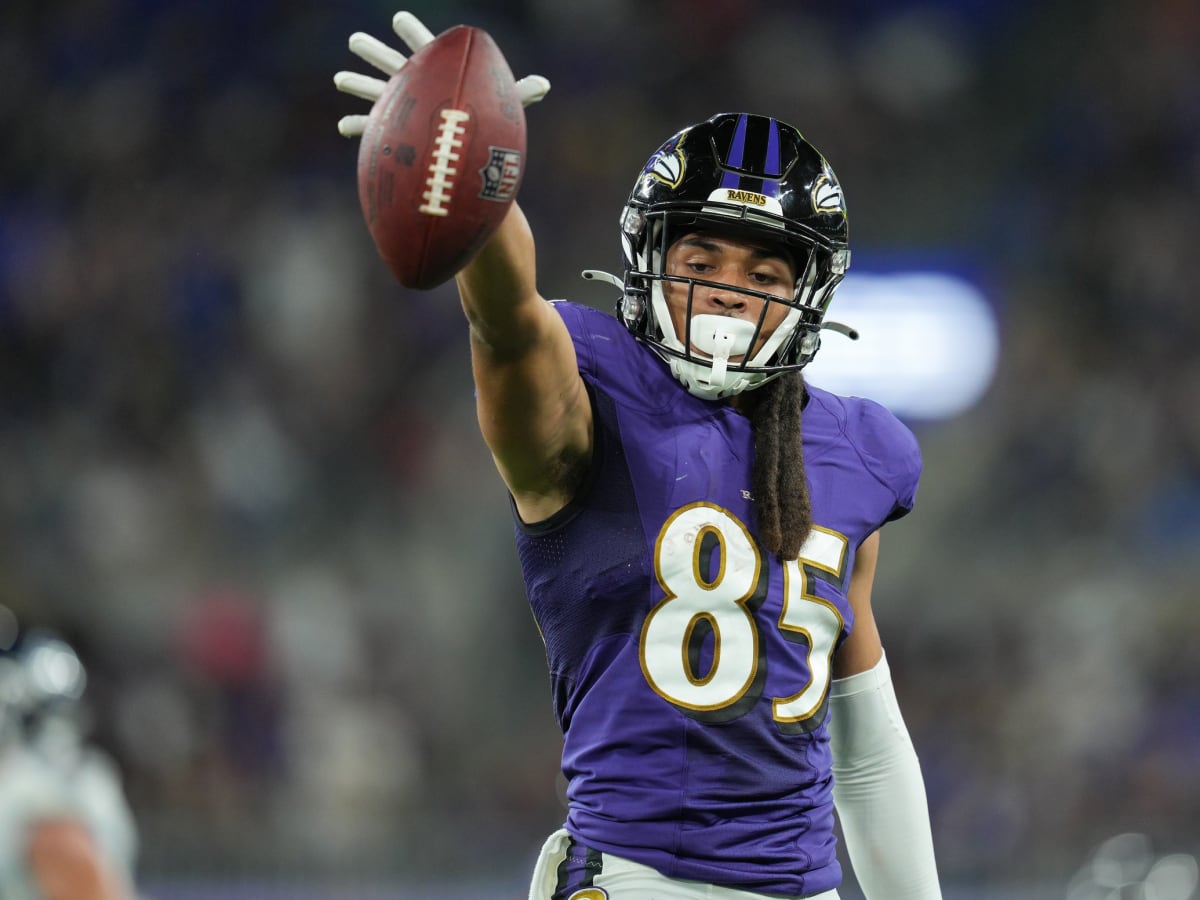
(575, 317)
(609, 356)
(891, 453)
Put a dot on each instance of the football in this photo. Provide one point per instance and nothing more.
(442, 156)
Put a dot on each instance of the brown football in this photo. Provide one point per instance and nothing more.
(442, 156)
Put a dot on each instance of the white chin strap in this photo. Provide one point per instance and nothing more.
(721, 337)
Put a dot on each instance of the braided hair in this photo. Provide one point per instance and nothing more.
(779, 483)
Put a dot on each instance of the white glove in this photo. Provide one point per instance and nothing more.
(409, 29)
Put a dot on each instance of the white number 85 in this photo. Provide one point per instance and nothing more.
(699, 603)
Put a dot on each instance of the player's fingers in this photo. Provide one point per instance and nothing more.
(357, 85)
(532, 88)
(410, 30)
(374, 51)
(352, 126)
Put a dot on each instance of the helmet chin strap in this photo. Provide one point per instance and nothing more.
(721, 337)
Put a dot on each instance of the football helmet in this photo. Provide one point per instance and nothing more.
(42, 682)
(741, 174)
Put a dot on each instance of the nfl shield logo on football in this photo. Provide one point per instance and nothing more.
(501, 175)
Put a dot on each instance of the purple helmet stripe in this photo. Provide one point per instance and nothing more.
(736, 149)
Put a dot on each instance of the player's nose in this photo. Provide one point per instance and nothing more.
(727, 296)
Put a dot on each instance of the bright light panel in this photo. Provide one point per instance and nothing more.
(927, 348)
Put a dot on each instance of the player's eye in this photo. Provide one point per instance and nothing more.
(765, 277)
(696, 265)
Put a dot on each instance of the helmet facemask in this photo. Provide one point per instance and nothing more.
(720, 356)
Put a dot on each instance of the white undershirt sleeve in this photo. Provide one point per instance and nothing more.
(878, 790)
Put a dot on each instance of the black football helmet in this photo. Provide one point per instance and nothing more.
(741, 174)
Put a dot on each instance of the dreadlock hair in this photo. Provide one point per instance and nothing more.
(781, 500)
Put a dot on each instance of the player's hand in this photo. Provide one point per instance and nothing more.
(409, 29)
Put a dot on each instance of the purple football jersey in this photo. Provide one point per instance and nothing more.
(690, 668)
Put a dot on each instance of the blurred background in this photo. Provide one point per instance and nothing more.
(241, 472)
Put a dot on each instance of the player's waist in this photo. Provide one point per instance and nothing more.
(638, 769)
(796, 858)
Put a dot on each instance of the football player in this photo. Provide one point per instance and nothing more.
(699, 530)
(66, 832)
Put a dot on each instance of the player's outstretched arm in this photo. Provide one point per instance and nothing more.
(533, 409)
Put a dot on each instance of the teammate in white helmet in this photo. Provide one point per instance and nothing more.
(66, 830)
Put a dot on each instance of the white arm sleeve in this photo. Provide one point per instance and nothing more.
(878, 790)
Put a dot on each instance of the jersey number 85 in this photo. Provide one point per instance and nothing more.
(715, 609)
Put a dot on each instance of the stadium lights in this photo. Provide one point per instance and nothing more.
(927, 348)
